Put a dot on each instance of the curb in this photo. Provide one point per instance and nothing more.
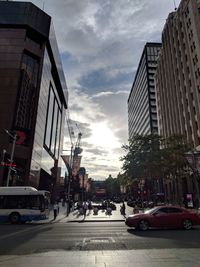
(82, 221)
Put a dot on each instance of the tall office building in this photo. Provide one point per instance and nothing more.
(142, 111)
(33, 96)
(178, 74)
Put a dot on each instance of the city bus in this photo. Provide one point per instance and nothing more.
(23, 203)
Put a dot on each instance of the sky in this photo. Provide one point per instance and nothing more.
(100, 44)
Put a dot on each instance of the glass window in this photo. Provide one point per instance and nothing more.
(34, 202)
(162, 210)
(53, 124)
(58, 134)
(25, 109)
(20, 202)
(49, 118)
(174, 210)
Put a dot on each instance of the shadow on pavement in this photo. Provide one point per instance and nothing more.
(13, 241)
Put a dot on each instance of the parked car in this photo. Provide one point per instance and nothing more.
(164, 217)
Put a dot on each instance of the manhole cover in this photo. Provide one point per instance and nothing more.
(98, 240)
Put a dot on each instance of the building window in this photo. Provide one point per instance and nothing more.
(53, 124)
(25, 109)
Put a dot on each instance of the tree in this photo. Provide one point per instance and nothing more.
(153, 157)
(142, 157)
(91, 187)
(112, 186)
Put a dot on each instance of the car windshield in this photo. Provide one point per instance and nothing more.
(150, 211)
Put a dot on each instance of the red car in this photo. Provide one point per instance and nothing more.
(164, 217)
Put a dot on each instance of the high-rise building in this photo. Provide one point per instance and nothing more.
(178, 74)
(33, 96)
(178, 90)
(142, 111)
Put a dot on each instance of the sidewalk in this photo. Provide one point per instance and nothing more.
(90, 217)
(119, 258)
(100, 217)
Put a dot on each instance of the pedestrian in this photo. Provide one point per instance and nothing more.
(109, 211)
(72, 206)
(63, 202)
(85, 207)
(55, 210)
(95, 211)
(58, 208)
(123, 209)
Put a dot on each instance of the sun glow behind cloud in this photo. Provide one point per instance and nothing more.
(103, 136)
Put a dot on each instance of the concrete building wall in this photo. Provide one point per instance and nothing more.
(178, 74)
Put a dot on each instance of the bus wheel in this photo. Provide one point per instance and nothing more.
(14, 218)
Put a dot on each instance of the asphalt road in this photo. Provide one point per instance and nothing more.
(26, 239)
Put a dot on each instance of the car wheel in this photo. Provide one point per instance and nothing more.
(187, 224)
(143, 225)
(14, 218)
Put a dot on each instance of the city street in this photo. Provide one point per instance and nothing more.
(25, 239)
(29, 241)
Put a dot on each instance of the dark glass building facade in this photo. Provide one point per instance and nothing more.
(33, 96)
(142, 112)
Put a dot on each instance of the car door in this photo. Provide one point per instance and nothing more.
(174, 217)
(159, 217)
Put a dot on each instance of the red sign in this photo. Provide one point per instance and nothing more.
(21, 137)
(8, 164)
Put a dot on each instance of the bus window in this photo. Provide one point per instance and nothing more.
(2, 198)
(42, 203)
(34, 202)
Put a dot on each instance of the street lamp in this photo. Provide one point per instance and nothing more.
(193, 158)
(14, 137)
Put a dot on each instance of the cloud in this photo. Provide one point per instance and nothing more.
(108, 93)
(100, 79)
(97, 151)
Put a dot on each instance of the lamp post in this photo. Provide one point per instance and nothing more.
(14, 137)
(193, 161)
